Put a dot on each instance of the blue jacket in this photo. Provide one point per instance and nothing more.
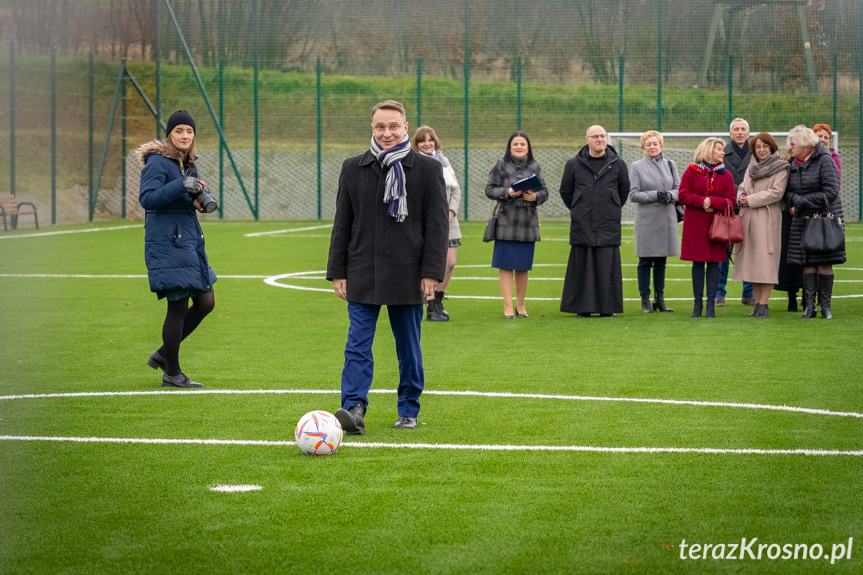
(173, 239)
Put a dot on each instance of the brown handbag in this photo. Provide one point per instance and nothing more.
(726, 226)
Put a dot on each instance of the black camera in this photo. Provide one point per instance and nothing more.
(204, 195)
(206, 199)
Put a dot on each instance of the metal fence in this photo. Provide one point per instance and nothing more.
(289, 85)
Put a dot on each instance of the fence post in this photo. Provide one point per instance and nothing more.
(257, 151)
(620, 64)
(658, 67)
(54, 135)
(159, 74)
(466, 101)
(221, 143)
(835, 123)
(419, 91)
(319, 111)
(123, 148)
(730, 87)
(12, 116)
(90, 75)
(518, 93)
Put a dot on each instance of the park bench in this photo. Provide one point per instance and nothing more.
(11, 210)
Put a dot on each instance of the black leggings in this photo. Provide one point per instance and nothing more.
(180, 321)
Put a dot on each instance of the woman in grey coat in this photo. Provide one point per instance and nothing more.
(517, 227)
(653, 183)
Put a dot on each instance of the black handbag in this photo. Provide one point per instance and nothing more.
(823, 233)
(491, 224)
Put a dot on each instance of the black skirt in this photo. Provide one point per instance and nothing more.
(593, 282)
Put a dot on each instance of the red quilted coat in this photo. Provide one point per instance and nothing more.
(695, 245)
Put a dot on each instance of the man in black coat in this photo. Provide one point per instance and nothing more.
(594, 187)
(388, 247)
(737, 158)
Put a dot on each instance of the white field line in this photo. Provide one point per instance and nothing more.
(443, 446)
(274, 232)
(115, 276)
(496, 394)
(63, 232)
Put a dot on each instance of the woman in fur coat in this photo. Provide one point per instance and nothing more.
(177, 265)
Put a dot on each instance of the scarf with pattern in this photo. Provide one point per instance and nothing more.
(395, 193)
(709, 172)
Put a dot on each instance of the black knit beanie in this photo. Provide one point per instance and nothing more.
(180, 117)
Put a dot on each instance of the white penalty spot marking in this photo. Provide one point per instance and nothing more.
(234, 488)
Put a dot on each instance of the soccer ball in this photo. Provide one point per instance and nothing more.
(318, 433)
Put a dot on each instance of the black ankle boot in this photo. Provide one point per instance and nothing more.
(434, 311)
(659, 303)
(645, 304)
(810, 286)
(825, 294)
(438, 296)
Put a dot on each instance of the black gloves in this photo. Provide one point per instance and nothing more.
(664, 197)
(191, 184)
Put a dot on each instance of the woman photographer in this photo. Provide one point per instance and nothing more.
(177, 264)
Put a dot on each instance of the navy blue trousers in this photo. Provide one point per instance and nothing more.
(358, 371)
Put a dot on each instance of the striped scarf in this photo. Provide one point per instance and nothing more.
(395, 192)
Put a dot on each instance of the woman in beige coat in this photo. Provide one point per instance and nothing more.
(758, 196)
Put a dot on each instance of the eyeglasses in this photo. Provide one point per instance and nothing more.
(380, 128)
(599, 137)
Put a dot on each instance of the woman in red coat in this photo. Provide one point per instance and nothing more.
(705, 188)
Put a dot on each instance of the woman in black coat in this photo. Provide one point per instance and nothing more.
(177, 265)
(517, 227)
(813, 189)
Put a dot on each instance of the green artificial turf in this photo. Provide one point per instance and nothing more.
(82, 508)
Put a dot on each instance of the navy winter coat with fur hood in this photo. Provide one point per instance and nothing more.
(173, 239)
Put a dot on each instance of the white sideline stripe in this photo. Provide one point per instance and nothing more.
(504, 394)
(258, 234)
(443, 446)
(60, 233)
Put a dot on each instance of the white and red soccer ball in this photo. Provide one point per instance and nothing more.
(318, 433)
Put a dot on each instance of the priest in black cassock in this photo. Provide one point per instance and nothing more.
(594, 187)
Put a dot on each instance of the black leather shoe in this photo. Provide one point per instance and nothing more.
(438, 296)
(352, 419)
(179, 380)
(583, 314)
(405, 423)
(519, 314)
(156, 361)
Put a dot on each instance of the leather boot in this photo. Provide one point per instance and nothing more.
(433, 313)
(711, 311)
(696, 310)
(438, 295)
(810, 286)
(825, 294)
(792, 301)
(760, 310)
(659, 303)
(645, 304)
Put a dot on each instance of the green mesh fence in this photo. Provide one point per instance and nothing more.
(291, 83)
